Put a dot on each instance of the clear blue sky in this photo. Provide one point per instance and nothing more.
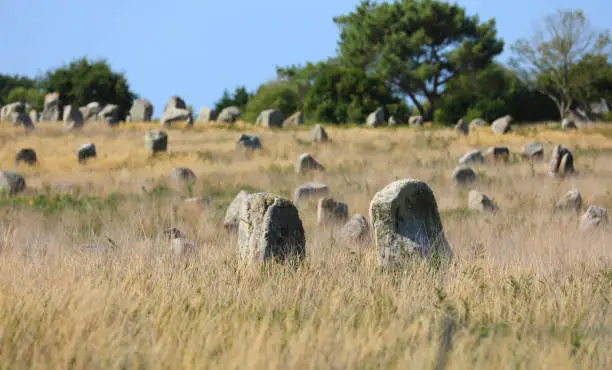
(197, 48)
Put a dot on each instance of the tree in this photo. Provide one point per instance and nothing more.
(9, 83)
(549, 61)
(281, 95)
(32, 96)
(491, 93)
(83, 81)
(239, 99)
(416, 46)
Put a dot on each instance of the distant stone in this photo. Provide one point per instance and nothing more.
(477, 201)
(594, 217)
(478, 122)
(561, 162)
(416, 121)
(176, 114)
(232, 214)
(306, 163)
(182, 175)
(206, 115)
(309, 191)
(90, 112)
(34, 116)
(502, 125)
(331, 212)
(318, 134)
(533, 150)
(9, 112)
(156, 141)
(248, 142)
(229, 115)
(175, 102)
(23, 120)
(568, 124)
(463, 176)
(27, 156)
(295, 119)
(86, 151)
(498, 153)
(109, 114)
(141, 111)
(472, 157)
(392, 122)
(182, 247)
(462, 127)
(270, 118)
(270, 229)
(356, 229)
(51, 111)
(73, 118)
(376, 118)
(571, 201)
(406, 222)
(11, 182)
(171, 233)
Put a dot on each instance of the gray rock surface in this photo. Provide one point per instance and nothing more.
(356, 229)
(51, 111)
(206, 115)
(416, 121)
(309, 191)
(498, 154)
(376, 118)
(561, 162)
(502, 125)
(232, 214)
(462, 127)
(571, 201)
(318, 134)
(595, 217)
(533, 150)
(109, 114)
(463, 176)
(73, 118)
(27, 156)
(86, 151)
(295, 119)
(141, 111)
(306, 163)
(331, 212)
(156, 141)
(478, 201)
(270, 118)
(250, 142)
(229, 115)
(473, 157)
(11, 182)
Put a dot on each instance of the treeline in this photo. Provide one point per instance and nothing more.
(408, 57)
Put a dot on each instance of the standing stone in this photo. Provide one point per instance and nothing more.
(295, 119)
(416, 121)
(331, 212)
(175, 102)
(462, 127)
(498, 153)
(248, 142)
(568, 124)
(571, 201)
(156, 141)
(472, 157)
(594, 217)
(11, 112)
(306, 163)
(270, 118)
(376, 118)
(309, 191)
(23, 120)
(561, 162)
(27, 156)
(477, 201)
(34, 116)
(392, 122)
(533, 150)
(86, 151)
(318, 134)
(141, 111)
(90, 112)
(11, 182)
(270, 228)
(463, 176)
(109, 114)
(232, 214)
(356, 229)
(206, 115)
(182, 247)
(183, 175)
(176, 114)
(229, 115)
(73, 118)
(502, 125)
(406, 222)
(51, 111)
(478, 122)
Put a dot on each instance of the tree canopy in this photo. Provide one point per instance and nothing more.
(416, 46)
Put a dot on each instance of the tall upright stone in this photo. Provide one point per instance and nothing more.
(73, 118)
(502, 125)
(376, 118)
(270, 118)
(156, 141)
(141, 111)
(206, 115)
(51, 111)
(318, 134)
(406, 222)
(109, 114)
(270, 229)
(561, 162)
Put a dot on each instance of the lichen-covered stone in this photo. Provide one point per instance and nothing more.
(478, 201)
(356, 229)
(406, 222)
(306, 163)
(571, 201)
(309, 191)
(295, 119)
(229, 115)
(594, 217)
(270, 228)
(232, 214)
(331, 212)
(533, 150)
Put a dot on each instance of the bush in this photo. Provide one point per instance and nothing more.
(279, 95)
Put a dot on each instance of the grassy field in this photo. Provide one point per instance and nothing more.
(526, 290)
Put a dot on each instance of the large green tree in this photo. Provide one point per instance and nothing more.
(550, 60)
(32, 96)
(416, 46)
(10, 83)
(239, 98)
(84, 81)
(281, 95)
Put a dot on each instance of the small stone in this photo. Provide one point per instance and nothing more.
(207, 115)
(472, 157)
(309, 191)
(182, 175)
(331, 212)
(306, 163)
(392, 122)
(248, 142)
(416, 121)
(561, 162)
(86, 151)
(318, 134)
(27, 156)
(270, 118)
(594, 217)
(295, 119)
(533, 150)
(156, 141)
(356, 229)
(498, 153)
(478, 122)
(462, 127)
(502, 125)
(376, 118)
(232, 215)
(463, 176)
(571, 201)
(229, 115)
(568, 124)
(11, 182)
(477, 201)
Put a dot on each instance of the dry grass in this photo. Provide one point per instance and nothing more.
(526, 290)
